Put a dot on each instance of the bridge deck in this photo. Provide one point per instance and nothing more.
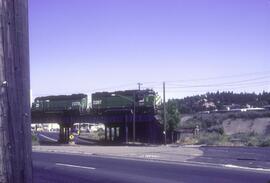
(40, 117)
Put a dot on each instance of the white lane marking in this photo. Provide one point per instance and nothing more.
(246, 168)
(75, 166)
(48, 137)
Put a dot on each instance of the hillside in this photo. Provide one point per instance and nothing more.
(221, 101)
(246, 128)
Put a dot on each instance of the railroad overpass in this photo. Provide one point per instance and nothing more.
(147, 127)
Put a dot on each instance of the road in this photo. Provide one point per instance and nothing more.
(255, 157)
(64, 168)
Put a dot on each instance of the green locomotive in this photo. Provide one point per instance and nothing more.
(61, 103)
(119, 101)
(102, 102)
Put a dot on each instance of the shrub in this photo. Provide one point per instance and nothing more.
(217, 129)
(265, 142)
(34, 140)
(212, 138)
(251, 139)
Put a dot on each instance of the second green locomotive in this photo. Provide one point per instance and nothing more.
(121, 101)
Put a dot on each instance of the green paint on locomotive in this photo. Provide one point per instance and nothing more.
(75, 102)
(144, 99)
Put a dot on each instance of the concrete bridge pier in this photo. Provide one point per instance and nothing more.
(106, 132)
(115, 137)
(114, 133)
(64, 133)
(110, 133)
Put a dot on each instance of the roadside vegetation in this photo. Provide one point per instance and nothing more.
(34, 140)
(212, 132)
(172, 117)
(240, 139)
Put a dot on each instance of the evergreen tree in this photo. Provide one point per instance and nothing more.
(219, 100)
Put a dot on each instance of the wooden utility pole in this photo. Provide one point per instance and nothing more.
(134, 117)
(164, 113)
(139, 85)
(15, 116)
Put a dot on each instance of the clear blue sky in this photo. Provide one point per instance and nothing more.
(95, 45)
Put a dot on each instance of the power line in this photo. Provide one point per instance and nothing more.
(210, 78)
(211, 90)
(221, 77)
(178, 84)
(224, 88)
(243, 82)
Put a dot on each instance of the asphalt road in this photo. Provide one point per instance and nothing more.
(60, 168)
(255, 157)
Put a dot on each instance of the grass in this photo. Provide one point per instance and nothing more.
(212, 138)
(265, 142)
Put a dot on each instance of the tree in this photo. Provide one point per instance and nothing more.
(173, 117)
(219, 100)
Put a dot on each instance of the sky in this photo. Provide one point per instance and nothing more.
(195, 46)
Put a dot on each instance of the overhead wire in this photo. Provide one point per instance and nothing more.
(182, 84)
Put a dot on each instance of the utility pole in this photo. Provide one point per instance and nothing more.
(15, 114)
(134, 112)
(134, 116)
(164, 111)
(139, 85)
(126, 129)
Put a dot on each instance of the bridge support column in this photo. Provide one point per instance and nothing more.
(64, 134)
(106, 132)
(126, 128)
(150, 133)
(61, 131)
(115, 134)
(121, 134)
(110, 133)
